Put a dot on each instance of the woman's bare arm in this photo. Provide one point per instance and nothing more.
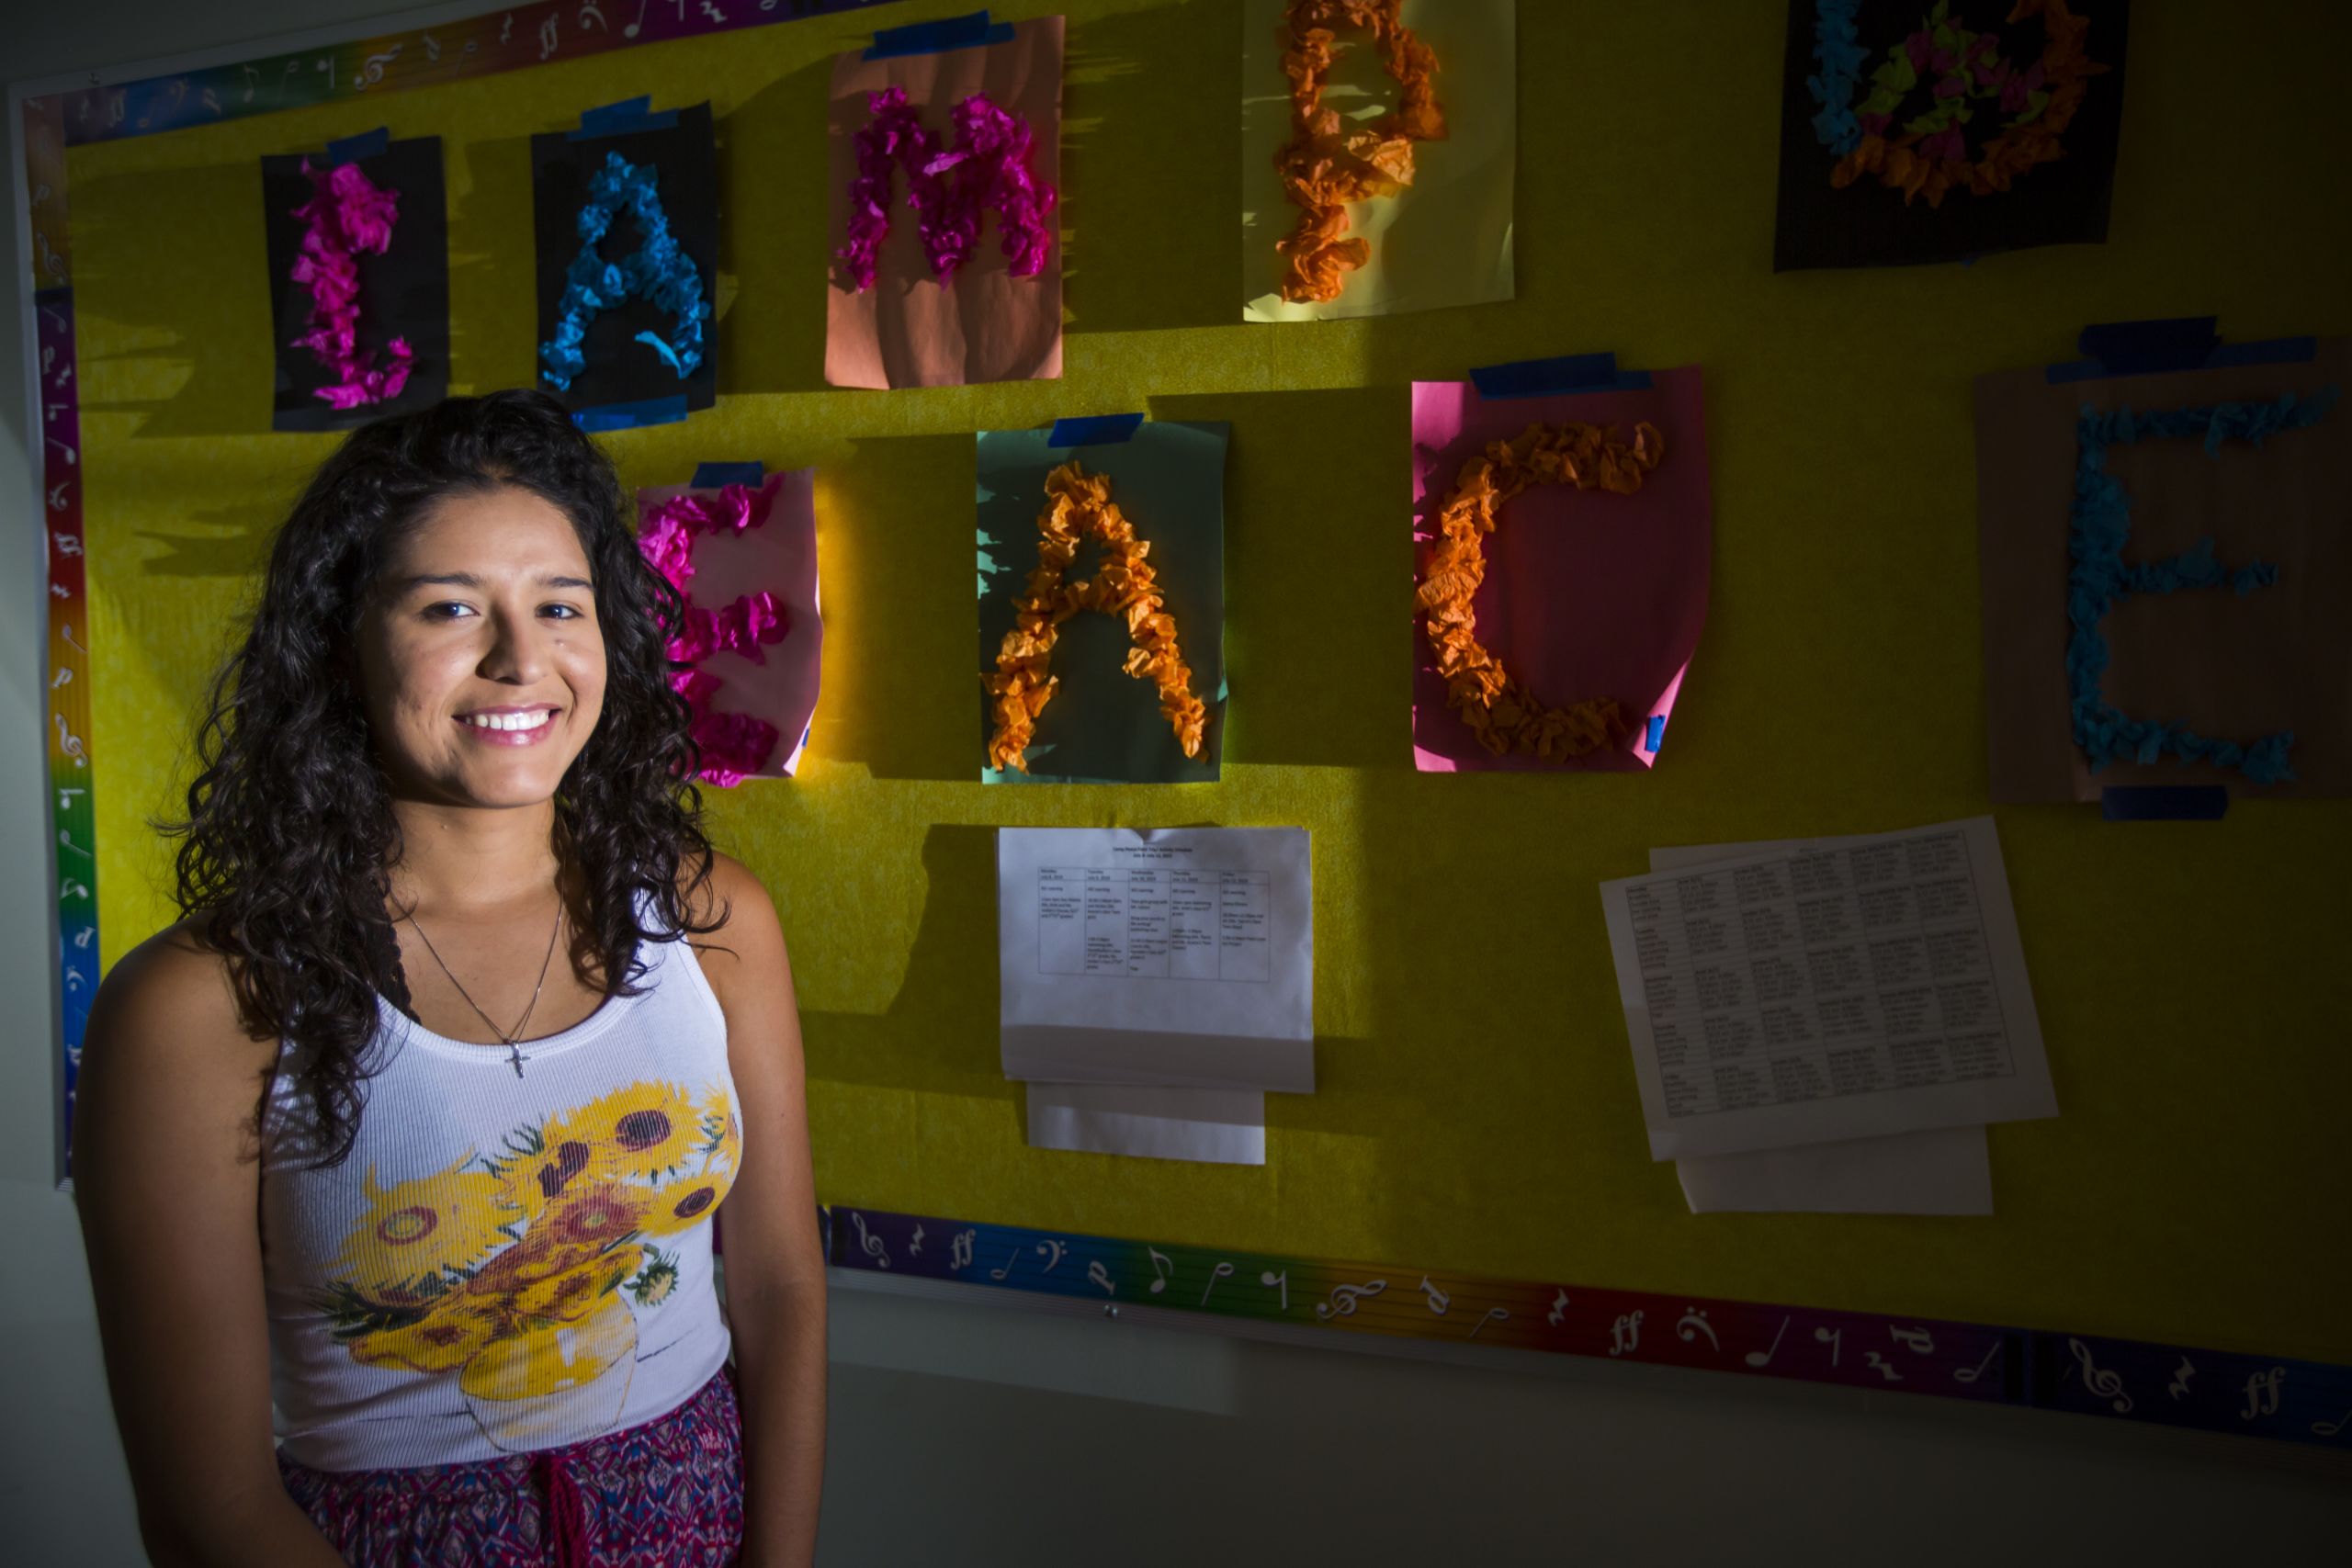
(775, 1269)
(167, 1181)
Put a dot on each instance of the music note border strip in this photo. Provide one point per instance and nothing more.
(508, 39)
(2123, 1380)
(73, 796)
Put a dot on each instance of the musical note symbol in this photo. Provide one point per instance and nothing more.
(65, 630)
(1764, 1358)
(1494, 1315)
(1694, 1322)
(65, 796)
(1344, 1297)
(82, 937)
(2180, 1376)
(1625, 1333)
(72, 456)
(179, 96)
(914, 1246)
(70, 744)
(2329, 1428)
(66, 841)
(1010, 1259)
(630, 30)
(58, 496)
(1051, 1251)
(1161, 1269)
(116, 113)
(73, 977)
(714, 13)
(70, 888)
(1831, 1338)
(1102, 1276)
(2107, 1384)
(869, 1243)
(1559, 1309)
(1970, 1374)
(51, 262)
(959, 1251)
(1918, 1340)
(2262, 1393)
(67, 545)
(371, 70)
(59, 591)
(588, 13)
(1872, 1362)
(325, 64)
(1222, 1271)
(506, 28)
(431, 49)
(208, 101)
(550, 39)
(1283, 1280)
(1438, 1300)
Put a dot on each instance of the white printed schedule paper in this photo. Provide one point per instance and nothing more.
(1178, 956)
(1843, 990)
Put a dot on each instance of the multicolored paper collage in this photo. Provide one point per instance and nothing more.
(1107, 722)
(745, 556)
(627, 337)
(945, 277)
(1588, 594)
(2218, 564)
(1941, 131)
(1423, 196)
(358, 244)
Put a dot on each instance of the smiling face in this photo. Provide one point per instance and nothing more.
(481, 658)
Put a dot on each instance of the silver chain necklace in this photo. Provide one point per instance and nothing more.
(505, 1037)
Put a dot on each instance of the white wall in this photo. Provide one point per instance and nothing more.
(976, 1433)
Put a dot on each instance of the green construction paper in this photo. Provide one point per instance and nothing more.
(1103, 725)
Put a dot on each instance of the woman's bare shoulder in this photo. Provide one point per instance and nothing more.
(171, 992)
(733, 897)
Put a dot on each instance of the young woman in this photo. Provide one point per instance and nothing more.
(352, 1137)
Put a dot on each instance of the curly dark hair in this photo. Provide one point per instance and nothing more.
(286, 852)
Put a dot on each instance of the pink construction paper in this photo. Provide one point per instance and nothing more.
(985, 324)
(1587, 594)
(780, 556)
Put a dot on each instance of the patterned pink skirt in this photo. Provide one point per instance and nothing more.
(666, 1494)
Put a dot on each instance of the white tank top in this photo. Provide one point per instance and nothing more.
(505, 1263)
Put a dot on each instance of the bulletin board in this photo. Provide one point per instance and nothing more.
(1476, 1115)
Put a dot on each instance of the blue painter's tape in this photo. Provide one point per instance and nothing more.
(2189, 342)
(367, 145)
(2164, 803)
(629, 416)
(2137, 348)
(710, 476)
(629, 114)
(1100, 430)
(1550, 378)
(2270, 351)
(1657, 733)
(974, 31)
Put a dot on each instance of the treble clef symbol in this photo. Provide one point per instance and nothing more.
(1344, 1297)
(870, 1243)
(2106, 1384)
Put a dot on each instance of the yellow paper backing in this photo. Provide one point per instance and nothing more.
(1475, 1108)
